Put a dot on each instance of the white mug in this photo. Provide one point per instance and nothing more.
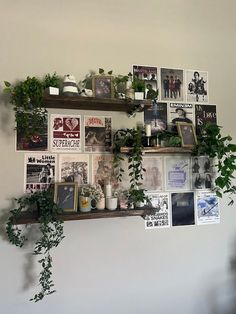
(111, 203)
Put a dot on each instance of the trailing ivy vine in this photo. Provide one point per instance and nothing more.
(51, 230)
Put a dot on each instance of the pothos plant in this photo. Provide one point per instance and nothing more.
(130, 138)
(51, 234)
(27, 99)
(214, 145)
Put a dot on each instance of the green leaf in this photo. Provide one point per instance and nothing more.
(7, 84)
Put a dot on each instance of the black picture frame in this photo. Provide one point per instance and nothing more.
(102, 86)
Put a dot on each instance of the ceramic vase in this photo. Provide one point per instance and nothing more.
(84, 204)
(100, 205)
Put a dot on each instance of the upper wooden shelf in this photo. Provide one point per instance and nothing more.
(92, 103)
(32, 217)
(162, 150)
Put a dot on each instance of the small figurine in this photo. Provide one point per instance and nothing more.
(69, 86)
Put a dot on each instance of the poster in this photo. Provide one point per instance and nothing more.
(207, 205)
(203, 172)
(161, 215)
(177, 170)
(37, 142)
(204, 114)
(172, 87)
(97, 134)
(153, 176)
(65, 133)
(149, 75)
(196, 86)
(182, 209)
(179, 112)
(39, 171)
(103, 171)
(157, 117)
(74, 168)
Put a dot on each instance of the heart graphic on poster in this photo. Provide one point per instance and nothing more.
(71, 123)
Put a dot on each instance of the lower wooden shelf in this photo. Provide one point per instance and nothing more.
(32, 217)
(162, 150)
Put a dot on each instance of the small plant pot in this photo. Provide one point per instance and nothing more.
(111, 203)
(53, 90)
(139, 95)
(85, 204)
(100, 205)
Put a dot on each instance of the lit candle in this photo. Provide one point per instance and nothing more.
(148, 129)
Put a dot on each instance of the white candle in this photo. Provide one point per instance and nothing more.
(148, 129)
(108, 190)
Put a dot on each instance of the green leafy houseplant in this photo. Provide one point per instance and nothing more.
(51, 229)
(27, 100)
(130, 138)
(212, 144)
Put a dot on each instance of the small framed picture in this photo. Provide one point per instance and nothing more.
(66, 196)
(103, 86)
(187, 133)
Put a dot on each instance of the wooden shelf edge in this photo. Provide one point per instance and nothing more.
(32, 217)
(163, 150)
(93, 103)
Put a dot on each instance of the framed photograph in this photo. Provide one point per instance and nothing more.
(187, 133)
(102, 86)
(66, 196)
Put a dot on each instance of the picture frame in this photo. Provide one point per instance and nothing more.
(187, 133)
(66, 196)
(102, 86)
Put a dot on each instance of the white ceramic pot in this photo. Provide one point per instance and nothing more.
(100, 205)
(111, 203)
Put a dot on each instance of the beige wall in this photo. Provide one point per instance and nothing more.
(113, 265)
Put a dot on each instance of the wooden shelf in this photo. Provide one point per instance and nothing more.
(32, 217)
(92, 103)
(161, 150)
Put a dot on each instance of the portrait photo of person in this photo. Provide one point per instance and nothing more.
(172, 84)
(187, 133)
(66, 196)
(197, 86)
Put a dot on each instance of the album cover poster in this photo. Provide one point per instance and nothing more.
(161, 214)
(65, 133)
(179, 112)
(97, 134)
(196, 86)
(207, 207)
(204, 114)
(36, 142)
(103, 171)
(152, 177)
(157, 117)
(74, 168)
(203, 171)
(172, 85)
(182, 209)
(39, 171)
(177, 171)
(150, 77)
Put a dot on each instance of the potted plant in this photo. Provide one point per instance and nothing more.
(212, 144)
(89, 194)
(51, 233)
(139, 88)
(51, 83)
(130, 138)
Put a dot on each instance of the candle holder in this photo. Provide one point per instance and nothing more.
(148, 131)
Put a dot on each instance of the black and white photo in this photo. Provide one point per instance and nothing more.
(203, 172)
(172, 87)
(197, 86)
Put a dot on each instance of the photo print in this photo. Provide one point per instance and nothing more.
(74, 168)
(103, 171)
(160, 218)
(36, 142)
(149, 75)
(152, 177)
(172, 88)
(39, 171)
(203, 172)
(97, 134)
(182, 209)
(207, 206)
(177, 170)
(156, 117)
(204, 114)
(65, 133)
(179, 112)
(197, 86)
